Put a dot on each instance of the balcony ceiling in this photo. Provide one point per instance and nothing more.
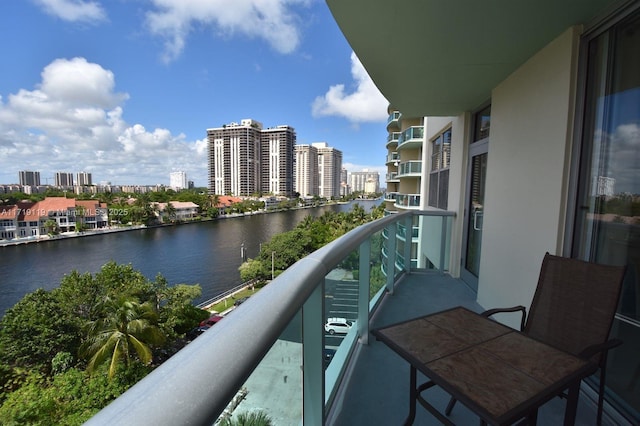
(440, 58)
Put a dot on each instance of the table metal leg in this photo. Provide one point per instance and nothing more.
(413, 393)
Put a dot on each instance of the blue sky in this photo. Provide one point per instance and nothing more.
(125, 89)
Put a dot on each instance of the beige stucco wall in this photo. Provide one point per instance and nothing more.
(531, 127)
(430, 244)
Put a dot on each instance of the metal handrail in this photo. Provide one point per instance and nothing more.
(195, 385)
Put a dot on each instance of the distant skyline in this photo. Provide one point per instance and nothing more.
(125, 90)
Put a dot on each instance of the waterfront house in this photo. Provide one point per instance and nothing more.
(182, 210)
(514, 130)
(29, 219)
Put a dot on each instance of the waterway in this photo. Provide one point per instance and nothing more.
(205, 253)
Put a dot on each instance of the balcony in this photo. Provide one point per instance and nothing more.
(408, 201)
(394, 120)
(392, 158)
(411, 138)
(392, 177)
(392, 140)
(410, 169)
(270, 354)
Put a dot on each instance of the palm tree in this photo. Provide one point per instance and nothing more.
(127, 327)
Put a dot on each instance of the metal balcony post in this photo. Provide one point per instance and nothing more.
(408, 239)
(392, 228)
(363, 290)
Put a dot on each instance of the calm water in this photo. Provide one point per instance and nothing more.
(206, 253)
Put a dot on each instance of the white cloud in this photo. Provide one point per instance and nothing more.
(364, 104)
(74, 10)
(271, 20)
(73, 121)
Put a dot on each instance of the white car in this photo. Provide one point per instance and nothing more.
(338, 325)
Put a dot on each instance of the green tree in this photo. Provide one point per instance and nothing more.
(34, 330)
(127, 328)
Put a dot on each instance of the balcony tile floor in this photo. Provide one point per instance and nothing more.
(376, 391)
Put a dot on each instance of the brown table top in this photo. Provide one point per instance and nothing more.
(498, 372)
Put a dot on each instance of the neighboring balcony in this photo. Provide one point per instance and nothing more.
(392, 158)
(274, 354)
(392, 140)
(392, 177)
(411, 138)
(394, 120)
(408, 201)
(410, 169)
(391, 196)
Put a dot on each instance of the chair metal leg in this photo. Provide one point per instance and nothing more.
(572, 404)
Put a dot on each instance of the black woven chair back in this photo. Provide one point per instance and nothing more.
(574, 303)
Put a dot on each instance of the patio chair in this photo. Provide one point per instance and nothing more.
(573, 309)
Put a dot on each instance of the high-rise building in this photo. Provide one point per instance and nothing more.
(329, 168)
(63, 179)
(28, 178)
(83, 179)
(277, 160)
(306, 170)
(178, 180)
(246, 160)
(365, 181)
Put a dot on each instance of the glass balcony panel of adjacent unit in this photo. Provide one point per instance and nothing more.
(392, 158)
(411, 138)
(392, 139)
(391, 196)
(410, 168)
(393, 120)
(392, 177)
(274, 388)
(408, 201)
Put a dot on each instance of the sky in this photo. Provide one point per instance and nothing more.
(126, 89)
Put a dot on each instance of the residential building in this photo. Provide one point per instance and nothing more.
(306, 170)
(178, 181)
(83, 179)
(277, 160)
(179, 211)
(63, 179)
(329, 168)
(234, 158)
(28, 219)
(29, 178)
(365, 181)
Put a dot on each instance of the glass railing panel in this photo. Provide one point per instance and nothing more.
(279, 373)
(341, 312)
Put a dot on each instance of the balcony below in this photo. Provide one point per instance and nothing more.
(377, 388)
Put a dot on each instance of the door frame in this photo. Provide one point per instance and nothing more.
(476, 148)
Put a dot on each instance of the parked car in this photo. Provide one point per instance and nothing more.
(240, 301)
(211, 321)
(328, 356)
(195, 332)
(338, 325)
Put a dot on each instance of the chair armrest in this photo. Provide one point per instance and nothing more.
(520, 308)
(602, 348)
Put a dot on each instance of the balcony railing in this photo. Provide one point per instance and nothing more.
(392, 139)
(393, 157)
(408, 201)
(410, 168)
(411, 137)
(196, 385)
